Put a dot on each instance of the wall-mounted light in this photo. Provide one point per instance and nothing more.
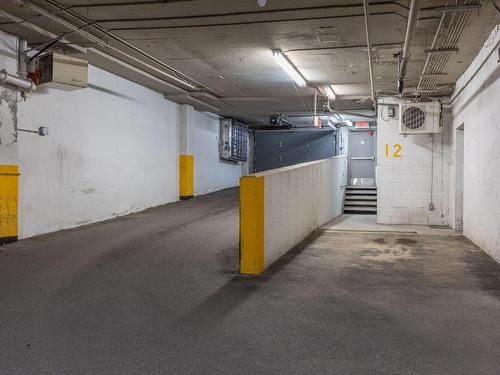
(261, 3)
(288, 67)
(330, 94)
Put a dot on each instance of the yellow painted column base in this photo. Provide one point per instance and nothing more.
(186, 176)
(251, 225)
(9, 176)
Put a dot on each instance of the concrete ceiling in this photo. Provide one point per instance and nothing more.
(224, 47)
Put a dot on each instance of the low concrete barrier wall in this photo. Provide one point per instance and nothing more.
(281, 207)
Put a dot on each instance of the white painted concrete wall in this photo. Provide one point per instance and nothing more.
(299, 199)
(404, 184)
(476, 105)
(111, 150)
(210, 172)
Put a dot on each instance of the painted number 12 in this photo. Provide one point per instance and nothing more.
(397, 150)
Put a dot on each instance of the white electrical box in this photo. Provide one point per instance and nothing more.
(420, 118)
(62, 72)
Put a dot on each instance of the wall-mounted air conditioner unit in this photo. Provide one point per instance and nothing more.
(420, 118)
(62, 72)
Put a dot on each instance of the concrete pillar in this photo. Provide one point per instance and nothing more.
(186, 158)
(9, 170)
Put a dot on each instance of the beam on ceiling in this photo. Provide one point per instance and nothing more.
(195, 102)
(457, 8)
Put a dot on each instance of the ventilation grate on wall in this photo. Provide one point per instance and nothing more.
(413, 118)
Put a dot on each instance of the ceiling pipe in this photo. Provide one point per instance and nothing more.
(100, 42)
(24, 84)
(405, 56)
(244, 23)
(347, 112)
(99, 53)
(239, 14)
(263, 11)
(166, 2)
(369, 45)
(22, 70)
(38, 29)
(342, 47)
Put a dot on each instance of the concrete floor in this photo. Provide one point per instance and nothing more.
(368, 224)
(156, 293)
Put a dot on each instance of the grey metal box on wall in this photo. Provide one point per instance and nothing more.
(63, 72)
(233, 140)
(281, 148)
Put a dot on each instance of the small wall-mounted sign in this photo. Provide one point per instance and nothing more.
(362, 125)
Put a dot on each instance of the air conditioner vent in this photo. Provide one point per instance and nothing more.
(419, 117)
(413, 118)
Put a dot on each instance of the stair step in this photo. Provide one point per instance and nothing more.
(362, 192)
(356, 197)
(361, 187)
(354, 209)
(361, 203)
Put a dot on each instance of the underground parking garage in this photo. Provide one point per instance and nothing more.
(232, 187)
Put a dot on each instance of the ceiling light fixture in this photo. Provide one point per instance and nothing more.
(288, 67)
(330, 94)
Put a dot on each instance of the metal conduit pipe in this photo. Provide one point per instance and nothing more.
(176, 74)
(98, 41)
(244, 23)
(369, 45)
(405, 57)
(108, 57)
(23, 66)
(24, 84)
(163, 2)
(337, 112)
(38, 29)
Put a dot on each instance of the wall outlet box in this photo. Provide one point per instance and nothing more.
(43, 130)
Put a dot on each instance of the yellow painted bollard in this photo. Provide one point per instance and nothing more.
(9, 176)
(251, 225)
(186, 176)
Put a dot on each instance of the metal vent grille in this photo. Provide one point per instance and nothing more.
(413, 118)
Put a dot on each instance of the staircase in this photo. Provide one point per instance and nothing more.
(360, 200)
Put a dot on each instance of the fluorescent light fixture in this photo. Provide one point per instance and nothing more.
(349, 123)
(330, 94)
(288, 67)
